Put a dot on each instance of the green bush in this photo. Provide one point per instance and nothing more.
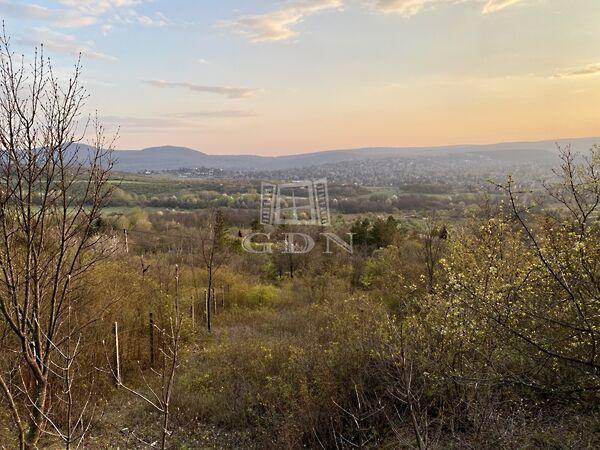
(259, 296)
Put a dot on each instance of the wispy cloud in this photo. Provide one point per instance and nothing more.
(62, 43)
(214, 114)
(227, 91)
(128, 122)
(411, 7)
(176, 121)
(405, 7)
(99, 7)
(590, 69)
(279, 25)
(496, 5)
(82, 13)
(69, 18)
(133, 17)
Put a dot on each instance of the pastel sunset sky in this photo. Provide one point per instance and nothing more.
(278, 77)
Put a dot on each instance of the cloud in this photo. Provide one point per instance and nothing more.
(590, 69)
(230, 92)
(176, 121)
(82, 13)
(496, 5)
(133, 17)
(64, 73)
(411, 7)
(405, 7)
(128, 122)
(159, 20)
(146, 125)
(214, 114)
(63, 17)
(99, 7)
(62, 43)
(278, 25)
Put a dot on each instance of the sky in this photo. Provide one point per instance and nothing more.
(276, 77)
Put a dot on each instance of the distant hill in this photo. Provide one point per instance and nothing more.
(170, 157)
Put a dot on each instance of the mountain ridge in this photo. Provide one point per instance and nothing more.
(168, 157)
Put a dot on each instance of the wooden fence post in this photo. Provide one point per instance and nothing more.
(117, 358)
(151, 332)
(193, 313)
(207, 298)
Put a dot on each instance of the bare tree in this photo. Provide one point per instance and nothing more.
(51, 195)
(71, 382)
(213, 252)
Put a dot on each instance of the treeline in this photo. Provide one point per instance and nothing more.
(343, 199)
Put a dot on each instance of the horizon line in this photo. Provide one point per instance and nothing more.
(378, 147)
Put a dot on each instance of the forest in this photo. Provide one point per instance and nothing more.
(128, 322)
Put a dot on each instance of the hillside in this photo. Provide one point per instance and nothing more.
(170, 157)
